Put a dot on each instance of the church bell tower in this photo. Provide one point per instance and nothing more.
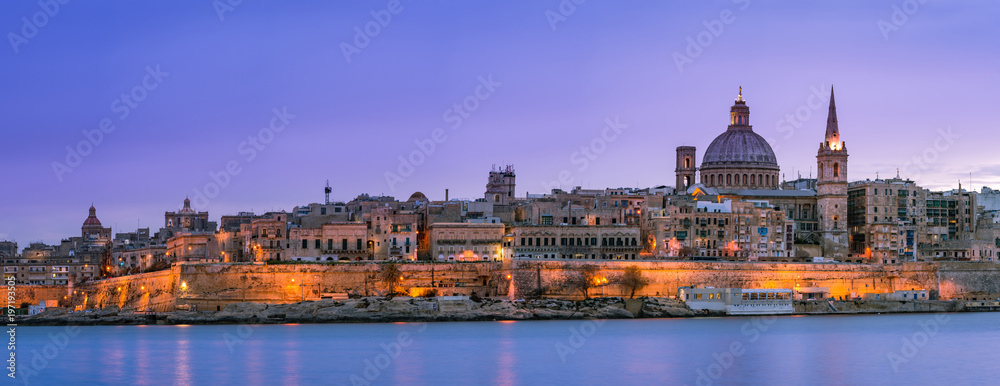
(831, 188)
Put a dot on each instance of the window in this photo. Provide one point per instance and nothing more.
(322, 210)
(329, 244)
(317, 244)
(305, 244)
(836, 170)
(343, 244)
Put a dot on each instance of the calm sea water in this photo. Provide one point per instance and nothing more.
(931, 349)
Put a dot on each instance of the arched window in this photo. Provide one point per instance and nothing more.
(836, 219)
(687, 162)
(729, 179)
(744, 179)
(496, 198)
(753, 179)
(711, 180)
(760, 179)
(836, 170)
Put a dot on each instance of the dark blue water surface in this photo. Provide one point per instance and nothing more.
(926, 349)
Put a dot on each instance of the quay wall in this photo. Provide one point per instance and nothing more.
(212, 286)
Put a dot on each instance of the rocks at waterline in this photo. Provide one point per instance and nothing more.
(371, 309)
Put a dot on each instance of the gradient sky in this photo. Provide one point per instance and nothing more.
(896, 91)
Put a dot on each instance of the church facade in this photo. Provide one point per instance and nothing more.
(739, 165)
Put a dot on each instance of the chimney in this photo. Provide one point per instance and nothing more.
(446, 194)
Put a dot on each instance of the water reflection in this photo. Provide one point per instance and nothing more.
(182, 358)
(810, 350)
(506, 374)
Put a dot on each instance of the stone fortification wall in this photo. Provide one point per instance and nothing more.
(212, 286)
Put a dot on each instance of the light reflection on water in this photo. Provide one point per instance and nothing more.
(810, 350)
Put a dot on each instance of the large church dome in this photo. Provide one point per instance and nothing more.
(741, 146)
(739, 158)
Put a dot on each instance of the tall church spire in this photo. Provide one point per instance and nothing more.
(832, 131)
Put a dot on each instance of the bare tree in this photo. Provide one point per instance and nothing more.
(391, 278)
(633, 280)
(582, 279)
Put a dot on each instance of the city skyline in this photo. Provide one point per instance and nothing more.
(544, 82)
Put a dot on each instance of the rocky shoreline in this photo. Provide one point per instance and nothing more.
(406, 309)
(376, 310)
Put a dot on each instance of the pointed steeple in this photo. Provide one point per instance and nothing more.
(832, 131)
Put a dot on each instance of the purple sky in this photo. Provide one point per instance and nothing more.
(897, 89)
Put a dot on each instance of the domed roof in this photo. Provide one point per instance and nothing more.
(739, 147)
(417, 197)
(187, 207)
(92, 218)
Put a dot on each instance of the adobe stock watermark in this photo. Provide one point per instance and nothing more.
(37, 21)
(564, 10)
(911, 344)
(243, 332)
(363, 35)
(380, 362)
(249, 148)
(578, 336)
(50, 351)
(703, 39)
(222, 7)
(455, 116)
(794, 120)
(930, 155)
(123, 105)
(725, 359)
(900, 15)
(588, 153)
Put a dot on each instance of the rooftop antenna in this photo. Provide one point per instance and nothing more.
(327, 190)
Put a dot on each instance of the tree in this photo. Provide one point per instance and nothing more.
(391, 278)
(582, 279)
(686, 252)
(633, 280)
